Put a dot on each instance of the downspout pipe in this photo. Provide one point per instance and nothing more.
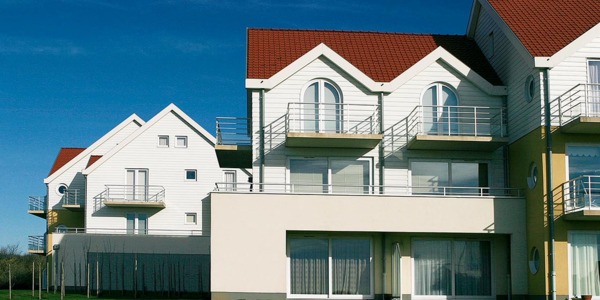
(261, 139)
(549, 196)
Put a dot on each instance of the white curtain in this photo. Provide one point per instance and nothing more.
(309, 175)
(594, 88)
(584, 264)
(349, 176)
(397, 271)
(433, 267)
(309, 266)
(351, 267)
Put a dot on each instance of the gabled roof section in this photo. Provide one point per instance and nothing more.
(82, 153)
(380, 56)
(545, 27)
(93, 159)
(65, 155)
(171, 108)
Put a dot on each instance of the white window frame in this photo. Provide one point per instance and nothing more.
(329, 295)
(181, 137)
(195, 175)
(230, 186)
(321, 87)
(136, 223)
(289, 183)
(453, 296)
(191, 214)
(163, 137)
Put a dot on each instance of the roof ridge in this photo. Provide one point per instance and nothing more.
(356, 31)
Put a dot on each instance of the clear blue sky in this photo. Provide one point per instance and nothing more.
(71, 70)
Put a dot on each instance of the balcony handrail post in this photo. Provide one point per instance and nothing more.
(589, 204)
(586, 99)
(475, 120)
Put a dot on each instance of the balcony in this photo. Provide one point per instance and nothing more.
(234, 145)
(137, 196)
(581, 198)
(449, 128)
(390, 190)
(578, 110)
(73, 200)
(332, 125)
(122, 231)
(37, 206)
(36, 244)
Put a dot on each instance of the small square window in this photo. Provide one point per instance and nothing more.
(163, 141)
(191, 218)
(181, 141)
(190, 175)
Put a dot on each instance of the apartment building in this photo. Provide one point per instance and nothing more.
(548, 55)
(379, 169)
(133, 208)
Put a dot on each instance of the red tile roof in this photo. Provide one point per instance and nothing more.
(545, 27)
(64, 156)
(93, 159)
(381, 56)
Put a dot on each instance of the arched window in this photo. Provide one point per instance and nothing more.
(321, 107)
(440, 110)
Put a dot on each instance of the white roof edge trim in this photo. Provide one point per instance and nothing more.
(568, 50)
(473, 18)
(88, 151)
(373, 86)
(308, 57)
(442, 54)
(171, 108)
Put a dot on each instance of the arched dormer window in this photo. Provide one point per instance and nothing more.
(440, 109)
(321, 107)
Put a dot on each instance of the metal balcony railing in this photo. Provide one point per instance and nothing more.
(73, 197)
(233, 131)
(36, 243)
(582, 100)
(163, 232)
(581, 193)
(438, 191)
(37, 203)
(332, 118)
(474, 121)
(132, 193)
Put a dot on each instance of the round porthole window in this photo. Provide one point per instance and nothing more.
(534, 260)
(61, 189)
(533, 175)
(529, 88)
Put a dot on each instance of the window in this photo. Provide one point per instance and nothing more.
(61, 189)
(329, 267)
(181, 141)
(532, 177)
(163, 141)
(324, 175)
(142, 223)
(534, 260)
(230, 178)
(593, 100)
(440, 110)
(529, 88)
(452, 267)
(443, 177)
(136, 188)
(321, 107)
(191, 218)
(584, 263)
(584, 175)
(190, 175)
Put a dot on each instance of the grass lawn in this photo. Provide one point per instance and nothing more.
(26, 294)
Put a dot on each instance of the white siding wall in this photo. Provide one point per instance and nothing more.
(573, 70)
(513, 69)
(166, 167)
(72, 177)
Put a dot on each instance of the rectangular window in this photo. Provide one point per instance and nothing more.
(190, 175)
(584, 263)
(181, 141)
(142, 224)
(230, 178)
(191, 218)
(329, 267)
(163, 141)
(584, 176)
(130, 217)
(593, 91)
(443, 177)
(330, 175)
(452, 268)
